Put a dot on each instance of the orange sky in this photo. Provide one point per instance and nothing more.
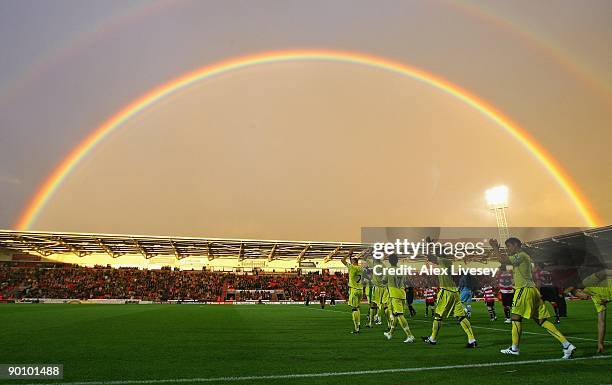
(302, 150)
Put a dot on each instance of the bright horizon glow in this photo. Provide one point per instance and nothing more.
(497, 196)
(149, 99)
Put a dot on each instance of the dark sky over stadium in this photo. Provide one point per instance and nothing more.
(304, 148)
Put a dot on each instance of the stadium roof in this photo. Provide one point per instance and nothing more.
(116, 245)
(592, 246)
(601, 234)
(595, 242)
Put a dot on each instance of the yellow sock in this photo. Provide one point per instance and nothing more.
(389, 317)
(356, 316)
(393, 324)
(550, 328)
(517, 329)
(372, 314)
(435, 328)
(404, 324)
(467, 328)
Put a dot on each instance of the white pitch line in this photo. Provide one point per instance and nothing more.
(539, 334)
(475, 326)
(325, 374)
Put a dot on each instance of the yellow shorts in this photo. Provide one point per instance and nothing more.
(355, 296)
(600, 295)
(528, 304)
(381, 296)
(599, 303)
(449, 303)
(397, 306)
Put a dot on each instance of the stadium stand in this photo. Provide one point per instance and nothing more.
(76, 282)
(31, 272)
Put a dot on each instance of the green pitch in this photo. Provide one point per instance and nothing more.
(170, 342)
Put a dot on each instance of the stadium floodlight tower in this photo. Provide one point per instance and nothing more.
(497, 200)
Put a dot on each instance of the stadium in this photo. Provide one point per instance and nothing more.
(291, 192)
(167, 309)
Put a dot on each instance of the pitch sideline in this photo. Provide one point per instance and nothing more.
(324, 374)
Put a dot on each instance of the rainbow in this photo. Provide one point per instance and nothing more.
(96, 31)
(539, 44)
(55, 179)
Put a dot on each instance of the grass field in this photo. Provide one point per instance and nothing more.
(209, 343)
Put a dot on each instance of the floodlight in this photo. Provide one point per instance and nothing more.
(497, 196)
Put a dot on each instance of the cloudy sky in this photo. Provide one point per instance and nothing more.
(305, 149)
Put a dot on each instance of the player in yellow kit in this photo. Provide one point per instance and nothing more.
(599, 287)
(381, 296)
(396, 285)
(368, 289)
(527, 302)
(448, 303)
(355, 290)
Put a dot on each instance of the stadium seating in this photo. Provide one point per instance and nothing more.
(161, 285)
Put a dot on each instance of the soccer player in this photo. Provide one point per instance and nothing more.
(600, 289)
(448, 302)
(368, 287)
(506, 288)
(381, 296)
(547, 288)
(322, 297)
(489, 298)
(355, 290)
(430, 301)
(396, 285)
(410, 300)
(527, 302)
(465, 288)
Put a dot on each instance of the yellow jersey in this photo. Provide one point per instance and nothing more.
(445, 280)
(395, 284)
(355, 276)
(521, 270)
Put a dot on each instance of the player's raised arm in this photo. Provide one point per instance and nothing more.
(347, 256)
(577, 293)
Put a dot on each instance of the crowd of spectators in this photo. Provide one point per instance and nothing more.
(77, 282)
(100, 282)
